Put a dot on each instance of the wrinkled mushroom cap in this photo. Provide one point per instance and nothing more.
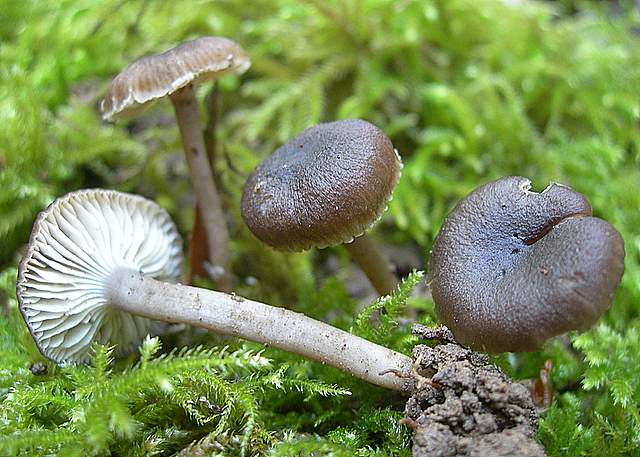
(158, 76)
(325, 187)
(64, 277)
(511, 268)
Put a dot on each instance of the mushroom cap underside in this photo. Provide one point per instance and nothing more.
(76, 244)
(153, 77)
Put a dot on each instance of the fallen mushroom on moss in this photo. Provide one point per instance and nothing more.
(327, 186)
(511, 268)
(96, 269)
(174, 74)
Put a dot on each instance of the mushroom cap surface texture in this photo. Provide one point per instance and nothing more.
(77, 243)
(325, 187)
(511, 268)
(158, 76)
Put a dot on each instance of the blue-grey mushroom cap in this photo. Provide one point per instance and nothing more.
(511, 268)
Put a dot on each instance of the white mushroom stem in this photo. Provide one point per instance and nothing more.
(376, 266)
(211, 213)
(130, 291)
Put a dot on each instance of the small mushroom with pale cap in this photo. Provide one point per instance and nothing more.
(511, 268)
(96, 269)
(326, 186)
(173, 74)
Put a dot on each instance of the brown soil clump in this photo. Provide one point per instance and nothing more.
(465, 407)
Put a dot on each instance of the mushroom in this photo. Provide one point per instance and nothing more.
(327, 186)
(173, 74)
(96, 269)
(511, 268)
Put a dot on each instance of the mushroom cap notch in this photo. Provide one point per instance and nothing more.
(325, 187)
(511, 268)
(158, 76)
(77, 244)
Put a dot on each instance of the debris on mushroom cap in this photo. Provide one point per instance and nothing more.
(325, 187)
(157, 76)
(75, 245)
(511, 268)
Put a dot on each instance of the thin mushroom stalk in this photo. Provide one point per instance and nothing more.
(198, 244)
(100, 266)
(366, 253)
(209, 202)
(173, 74)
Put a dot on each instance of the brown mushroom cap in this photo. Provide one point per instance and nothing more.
(325, 187)
(157, 76)
(511, 268)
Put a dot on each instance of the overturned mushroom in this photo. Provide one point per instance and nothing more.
(327, 186)
(173, 74)
(95, 270)
(74, 246)
(511, 268)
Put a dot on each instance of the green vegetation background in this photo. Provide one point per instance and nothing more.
(468, 90)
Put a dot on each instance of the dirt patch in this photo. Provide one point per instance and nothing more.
(464, 406)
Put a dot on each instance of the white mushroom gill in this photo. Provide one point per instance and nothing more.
(77, 246)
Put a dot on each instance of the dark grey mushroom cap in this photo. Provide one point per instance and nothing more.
(511, 268)
(76, 244)
(153, 77)
(325, 187)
